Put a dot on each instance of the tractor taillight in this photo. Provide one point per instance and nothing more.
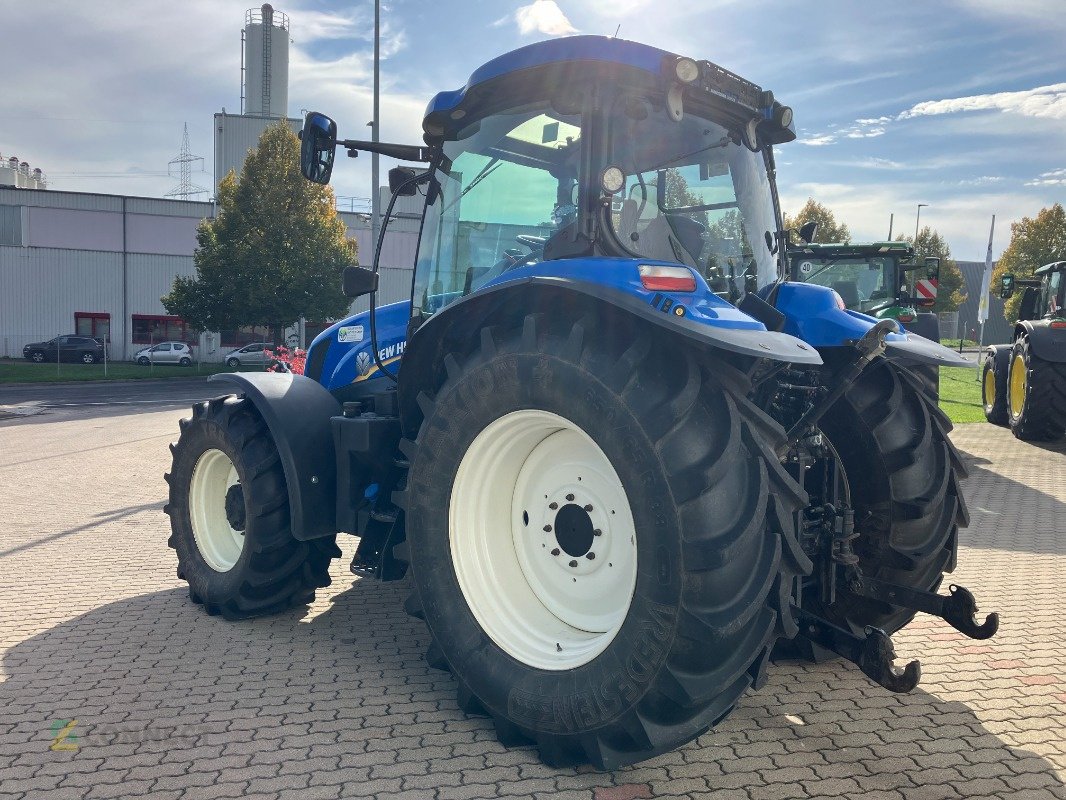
(1058, 324)
(906, 317)
(667, 279)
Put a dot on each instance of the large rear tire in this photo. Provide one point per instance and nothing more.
(994, 385)
(1036, 394)
(600, 537)
(904, 475)
(229, 517)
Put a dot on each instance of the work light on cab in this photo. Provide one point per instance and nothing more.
(667, 279)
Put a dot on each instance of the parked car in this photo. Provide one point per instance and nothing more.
(250, 354)
(84, 349)
(165, 353)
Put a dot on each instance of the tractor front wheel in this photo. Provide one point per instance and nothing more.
(601, 540)
(994, 386)
(1036, 393)
(229, 516)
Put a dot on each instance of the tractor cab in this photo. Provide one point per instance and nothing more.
(1045, 294)
(589, 147)
(881, 279)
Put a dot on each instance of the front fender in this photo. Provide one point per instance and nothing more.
(297, 412)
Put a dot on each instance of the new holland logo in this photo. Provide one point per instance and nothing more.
(363, 362)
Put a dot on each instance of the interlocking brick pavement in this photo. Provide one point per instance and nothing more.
(162, 701)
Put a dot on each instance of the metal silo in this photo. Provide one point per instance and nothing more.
(265, 64)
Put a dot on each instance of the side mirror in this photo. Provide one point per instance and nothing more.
(807, 231)
(932, 268)
(359, 281)
(400, 175)
(1006, 286)
(1030, 297)
(318, 144)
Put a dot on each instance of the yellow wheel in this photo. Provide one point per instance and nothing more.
(1017, 386)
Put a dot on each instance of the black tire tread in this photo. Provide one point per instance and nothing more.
(695, 412)
(276, 571)
(1043, 416)
(905, 476)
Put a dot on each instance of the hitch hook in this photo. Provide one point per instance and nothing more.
(876, 662)
(960, 612)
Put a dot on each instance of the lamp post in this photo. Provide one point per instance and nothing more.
(920, 207)
(375, 126)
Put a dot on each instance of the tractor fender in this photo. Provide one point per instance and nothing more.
(450, 330)
(927, 325)
(297, 412)
(1046, 342)
(999, 355)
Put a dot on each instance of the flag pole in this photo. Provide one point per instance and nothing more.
(986, 287)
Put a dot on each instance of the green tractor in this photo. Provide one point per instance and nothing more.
(1023, 384)
(882, 279)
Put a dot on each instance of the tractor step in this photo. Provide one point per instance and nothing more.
(872, 653)
(958, 610)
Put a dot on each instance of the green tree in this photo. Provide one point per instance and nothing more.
(1034, 242)
(949, 295)
(829, 230)
(273, 253)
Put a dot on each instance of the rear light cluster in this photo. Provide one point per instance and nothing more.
(1059, 324)
(906, 318)
(667, 279)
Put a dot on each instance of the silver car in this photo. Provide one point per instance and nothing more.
(250, 354)
(165, 353)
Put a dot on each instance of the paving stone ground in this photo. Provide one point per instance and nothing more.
(114, 685)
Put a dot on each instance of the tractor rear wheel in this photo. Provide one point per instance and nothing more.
(600, 537)
(229, 516)
(1036, 392)
(994, 386)
(904, 476)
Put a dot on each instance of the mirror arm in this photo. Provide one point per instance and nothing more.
(402, 152)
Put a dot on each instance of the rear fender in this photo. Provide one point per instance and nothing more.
(1045, 342)
(297, 412)
(453, 329)
(813, 314)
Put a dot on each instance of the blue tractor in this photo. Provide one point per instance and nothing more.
(619, 457)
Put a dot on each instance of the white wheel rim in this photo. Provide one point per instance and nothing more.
(523, 565)
(219, 543)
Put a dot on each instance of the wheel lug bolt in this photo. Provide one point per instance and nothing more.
(573, 563)
(547, 528)
(553, 506)
(590, 555)
(597, 532)
(588, 508)
(555, 552)
(570, 497)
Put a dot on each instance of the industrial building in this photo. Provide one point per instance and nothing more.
(97, 264)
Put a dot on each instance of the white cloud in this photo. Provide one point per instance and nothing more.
(543, 16)
(818, 141)
(982, 180)
(1048, 102)
(1056, 177)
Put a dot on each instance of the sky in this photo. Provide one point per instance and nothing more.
(959, 104)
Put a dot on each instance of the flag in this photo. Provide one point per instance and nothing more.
(986, 279)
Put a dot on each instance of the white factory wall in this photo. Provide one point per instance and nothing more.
(66, 257)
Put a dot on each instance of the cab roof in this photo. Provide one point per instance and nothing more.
(451, 106)
(1054, 266)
